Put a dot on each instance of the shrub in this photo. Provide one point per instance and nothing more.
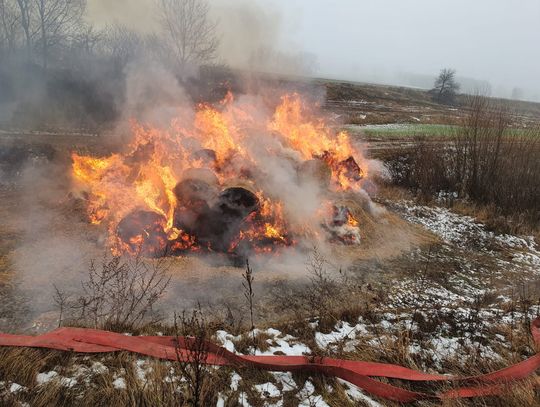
(484, 162)
(119, 294)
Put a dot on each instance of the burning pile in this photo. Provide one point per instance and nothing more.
(224, 178)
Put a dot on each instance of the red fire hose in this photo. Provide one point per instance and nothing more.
(356, 372)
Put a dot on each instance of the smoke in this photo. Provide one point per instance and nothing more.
(56, 243)
(138, 15)
(253, 34)
(53, 245)
(153, 94)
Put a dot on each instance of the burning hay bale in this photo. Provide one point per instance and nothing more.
(350, 169)
(343, 226)
(237, 203)
(195, 197)
(192, 191)
(218, 225)
(144, 232)
(347, 170)
(226, 183)
(315, 170)
(206, 156)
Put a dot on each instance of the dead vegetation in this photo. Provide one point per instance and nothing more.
(482, 169)
(326, 298)
(119, 295)
(191, 364)
(325, 302)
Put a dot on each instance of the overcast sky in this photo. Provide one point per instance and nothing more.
(493, 40)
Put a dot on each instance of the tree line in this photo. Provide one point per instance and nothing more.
(54, 32)
(57, 68)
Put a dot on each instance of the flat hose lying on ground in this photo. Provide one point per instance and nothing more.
(359, 373)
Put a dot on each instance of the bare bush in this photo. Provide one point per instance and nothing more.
(326, 297)
(118, 295)
(247, 284)
(429, 174)
(192, 331)
(486, 162)
(495, 165)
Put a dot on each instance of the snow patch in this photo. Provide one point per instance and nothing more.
(119, 383)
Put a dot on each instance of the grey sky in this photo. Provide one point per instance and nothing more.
(493, 40)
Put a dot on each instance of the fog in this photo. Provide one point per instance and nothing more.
(386, 41)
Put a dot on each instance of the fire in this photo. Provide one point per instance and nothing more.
(190, 187)
(351, 221)
(312, 138)
(218, 134)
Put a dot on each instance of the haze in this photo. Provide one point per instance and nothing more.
(385, 41)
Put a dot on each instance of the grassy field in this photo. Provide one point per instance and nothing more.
(409, 130)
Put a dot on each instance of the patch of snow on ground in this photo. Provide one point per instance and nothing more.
(284, 345)
(308, 398)
(342, 331)
(119, 383)
(227, 340)
(356, 394)
(242, 399)
(465, 232)
(278, 342)
(268, 390)
(16, 388)
(68, 381)
(141, 369)
(99, 368)
(43, 378)
(285, 379)
(235, 381)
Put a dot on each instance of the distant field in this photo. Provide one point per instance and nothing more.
(409, 130)
(415, 130)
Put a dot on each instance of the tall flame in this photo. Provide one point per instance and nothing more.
(216, 140)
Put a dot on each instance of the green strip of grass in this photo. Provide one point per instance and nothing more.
(415, 130)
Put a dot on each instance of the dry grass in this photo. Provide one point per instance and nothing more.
(159, 387)
(118, 295)
(95, 388)
(248, 342)
(495, 172)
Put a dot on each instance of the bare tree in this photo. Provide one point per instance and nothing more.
(446, 87)
(87, 40)
(9, 28)
(25, 10)
(190, 32)
(57, 21)
(121, 44)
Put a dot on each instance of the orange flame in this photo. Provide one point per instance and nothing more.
(144, 176)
